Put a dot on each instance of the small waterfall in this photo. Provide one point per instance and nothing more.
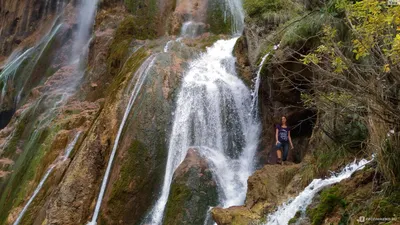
(212, 113)
(236, 10)
(65, 156)
(166, 47)
(46, 41)
(10, 71)
(140, 77)
(289, 209)
(258, 81)
(192, 29)
(86, 14)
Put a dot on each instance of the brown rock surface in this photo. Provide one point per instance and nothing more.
(266, 190)
(20, 19)
(192, 189)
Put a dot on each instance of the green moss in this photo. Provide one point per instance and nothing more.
(24, 171)
(130, 28)
(219, 20)
(132, 178)
(10, 149)
(295, 218)
(179, 194)
(146, 15)
(329, 199)
(129, 68)
(192, 192)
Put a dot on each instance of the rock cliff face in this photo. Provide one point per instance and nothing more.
(23, 22)
(51, 105)
(268, 188)
(193, 192)
(59, 101)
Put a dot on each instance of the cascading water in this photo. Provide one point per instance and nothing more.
(212, 114)
(257, 83)
(140, 78)
(10, 71)
(236, 10)
(289, 209)
(86, 14)
(192, 29)
(65, 156)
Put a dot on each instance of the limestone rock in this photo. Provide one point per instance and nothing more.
(266, 190)
(242, 60)
(235, 215)
(193, 191)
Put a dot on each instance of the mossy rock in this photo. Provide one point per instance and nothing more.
(142, 152)
(193, 192)
(129, 29)
(146, 13)
(295, 218)
(329, 199)
(220, 21)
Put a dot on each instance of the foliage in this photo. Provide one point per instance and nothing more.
(304, 29)
(271, 11)
(366, 69)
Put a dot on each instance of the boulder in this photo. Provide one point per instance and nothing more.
(267, 189)
(193, 192)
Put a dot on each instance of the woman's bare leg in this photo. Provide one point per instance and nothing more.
(279, 154)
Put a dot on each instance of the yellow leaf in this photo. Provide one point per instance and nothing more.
(386, 68)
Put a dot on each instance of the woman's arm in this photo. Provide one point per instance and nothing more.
(276, 136)
(290, 140)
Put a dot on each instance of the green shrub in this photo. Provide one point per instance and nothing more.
(271, 11)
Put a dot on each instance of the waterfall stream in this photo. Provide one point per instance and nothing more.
(139, 77)
(213, 114)
(289, 209)
(64, 157)
(257, 83)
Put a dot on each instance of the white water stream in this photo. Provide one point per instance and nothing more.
(65, 156)
(288, 210)
(213, 114)
(139, 77)
(257, 82)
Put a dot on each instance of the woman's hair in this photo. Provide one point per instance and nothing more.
(285, 118)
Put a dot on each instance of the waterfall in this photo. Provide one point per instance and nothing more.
(86, 14)
(258, 81)
(288, 210)
(10, 71)
(140, 77)
(65, 156)
(236, 10)
(192, 29)
(212, 113)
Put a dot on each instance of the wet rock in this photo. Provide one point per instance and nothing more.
(187, 10)
(23, 22)
(266, 191)
(234, 215)
(193, 192)
(139, 167)
(242, 60)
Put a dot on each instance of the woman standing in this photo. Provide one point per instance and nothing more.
(283, 139)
